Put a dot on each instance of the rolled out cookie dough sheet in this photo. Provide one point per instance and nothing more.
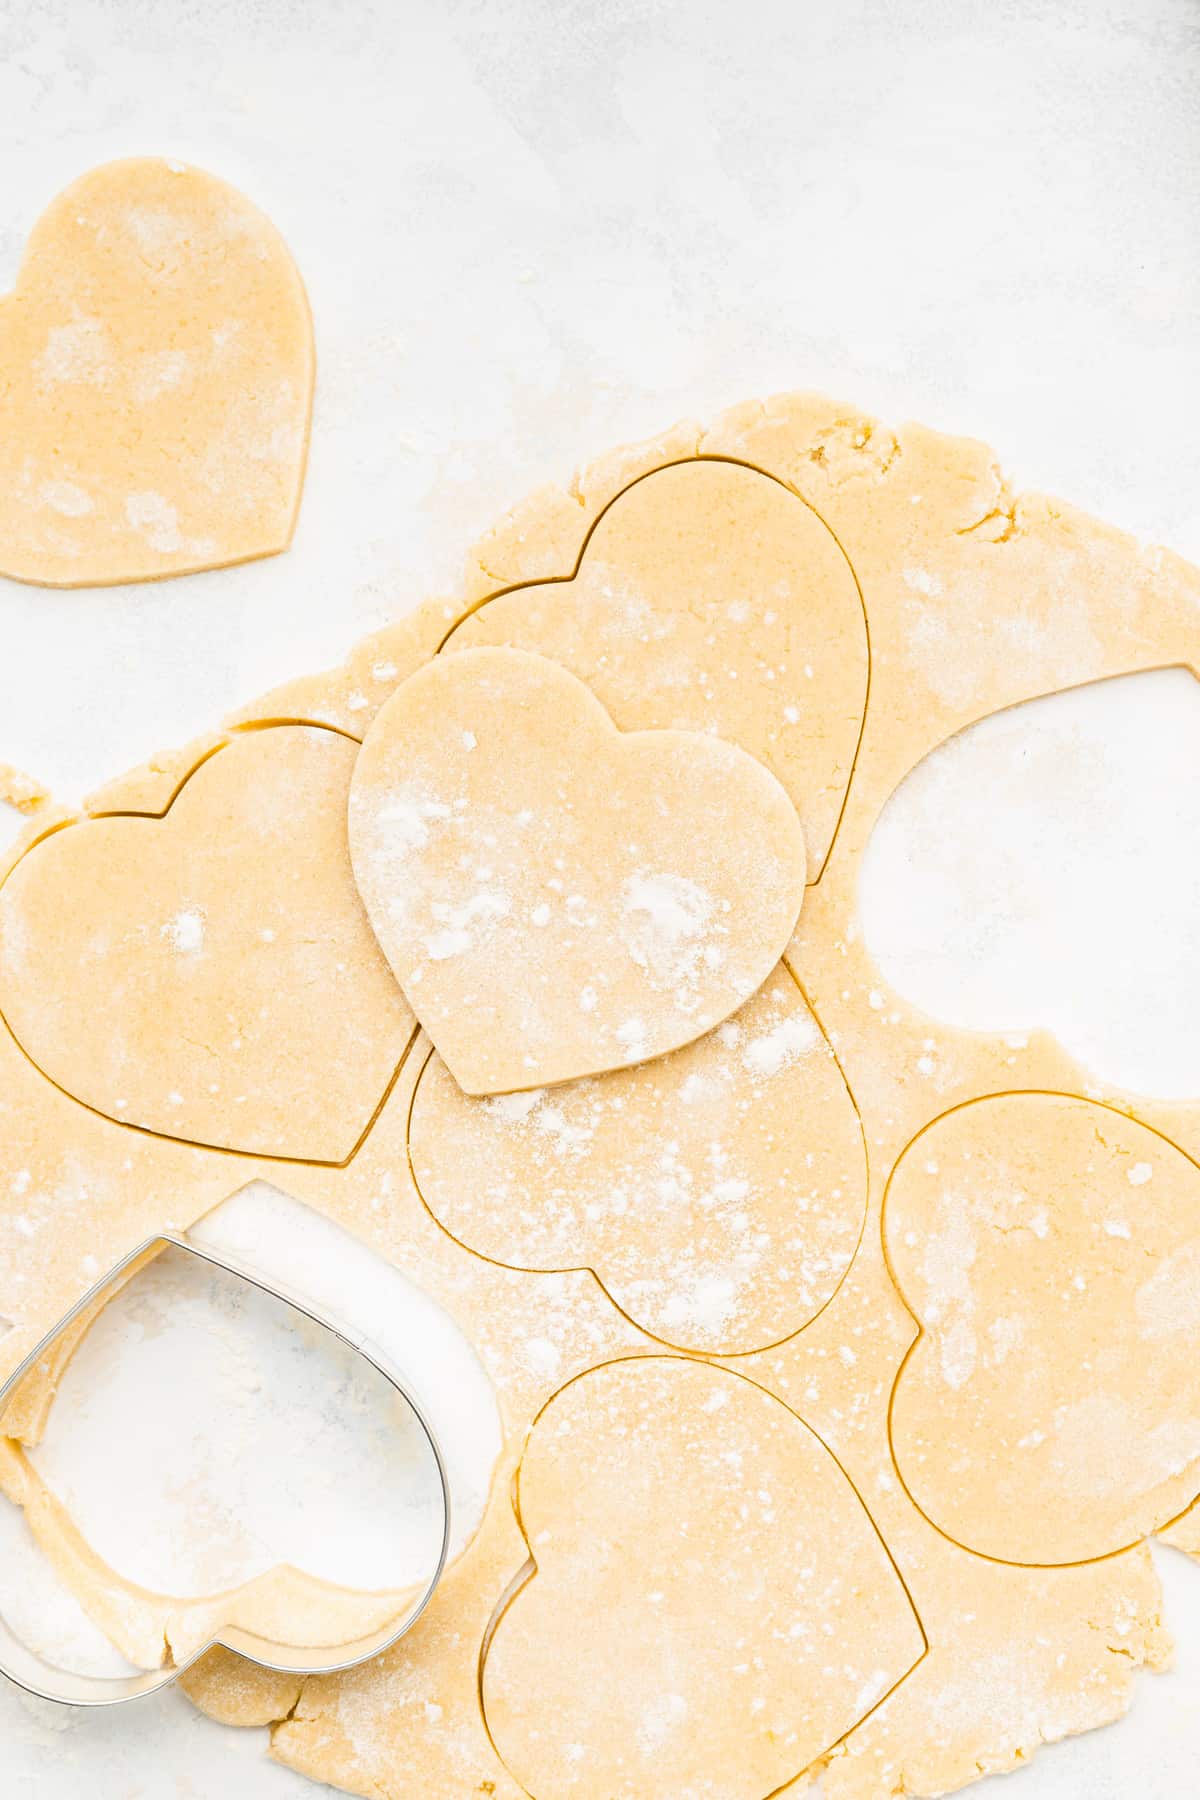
(974, 600)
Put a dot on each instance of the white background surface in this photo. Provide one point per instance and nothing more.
(531, 231)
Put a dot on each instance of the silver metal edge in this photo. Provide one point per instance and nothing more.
(69, 1689)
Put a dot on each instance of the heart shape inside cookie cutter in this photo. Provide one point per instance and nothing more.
(31, 1671)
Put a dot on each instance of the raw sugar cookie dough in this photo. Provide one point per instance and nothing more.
(557, 897)
(165, 969)
(718, 1647)
(707, 597)
(974, 599)
(1050, 1249)
(158, 360)
(718, 1194)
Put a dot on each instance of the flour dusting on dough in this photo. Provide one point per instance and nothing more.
(1169, 1301)
(186, 931)
(794, 1036)
(67, 498)
(156, 519)
(81, 351)
(949, 1258)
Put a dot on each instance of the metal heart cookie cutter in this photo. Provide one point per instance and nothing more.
(33, 1672)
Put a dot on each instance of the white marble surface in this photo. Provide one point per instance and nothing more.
(532, 229)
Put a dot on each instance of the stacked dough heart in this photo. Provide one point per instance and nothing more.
(555, 897)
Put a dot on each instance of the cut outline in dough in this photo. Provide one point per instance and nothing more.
(587, 1268)
(1008, 1562)
(517, 587)
(528, 1571)
(67, 199)
(85, 817)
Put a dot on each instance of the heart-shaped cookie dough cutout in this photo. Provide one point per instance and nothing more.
(1049, 1248)
(158, 371)
(210, 974)
(717, 1193)
(710, 597)
(557, 897)
(732, 1609)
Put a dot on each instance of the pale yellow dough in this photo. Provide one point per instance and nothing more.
(210, 974)
(1050, 1247)
(557, 897)
(734, 1610)
(657, 620)
(718, 1193)
(156, 374)
(975, 599)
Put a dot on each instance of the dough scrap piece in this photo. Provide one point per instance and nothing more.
(236, 1692)
(734, 1610)
(558, 898)
(158, 361)
(718, 1194)
(24, 793)
(1049, 1249)
(209, 974)
(710, 598)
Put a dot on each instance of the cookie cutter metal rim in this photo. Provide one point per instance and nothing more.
(29, 1670)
